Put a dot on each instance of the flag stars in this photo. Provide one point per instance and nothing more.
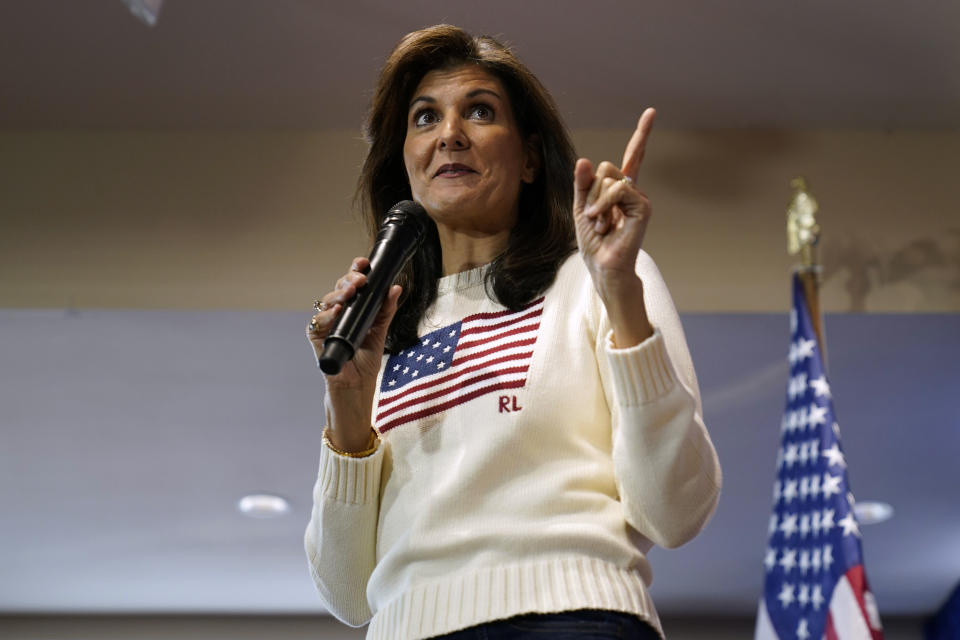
(789, 491)
(792, 422)
(805, 348)
(405, 370)
(816, 598)
(436, 344)
(391, 383)
(802, 631)
(817, 415)
(770, 559)
(826, 522)
(849, 524)
(426, 342)
(797, 386)
(773, 524)
(452, 333)
(789, 525)
(396, 367)
(415, 374)
(792, 455)
(430, 359)
(805, 525)
(830, 486)
(447, 348)
(820, 386)
(786, 595)
(834, 456)
(441, 364)
(419, 357)
(827, 558)
(804, 561)
(788, 560)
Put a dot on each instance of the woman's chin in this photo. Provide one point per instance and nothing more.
(451, 205)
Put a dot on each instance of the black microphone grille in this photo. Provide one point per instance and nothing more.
(407, 212)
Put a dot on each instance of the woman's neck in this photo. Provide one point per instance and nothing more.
(464, 251)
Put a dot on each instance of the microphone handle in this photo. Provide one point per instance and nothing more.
(387, 258)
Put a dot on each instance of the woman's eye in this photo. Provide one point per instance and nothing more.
(424, 118)
(481, 112)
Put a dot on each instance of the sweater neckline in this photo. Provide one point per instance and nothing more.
(463, 280)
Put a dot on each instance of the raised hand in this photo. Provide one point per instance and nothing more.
(611, 215)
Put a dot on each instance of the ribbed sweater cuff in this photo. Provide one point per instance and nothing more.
(641, 373)
(350, 480)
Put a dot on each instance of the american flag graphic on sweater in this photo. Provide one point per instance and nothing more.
(480, 354)
(815, 586)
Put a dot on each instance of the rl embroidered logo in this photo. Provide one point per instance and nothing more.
(505, 404)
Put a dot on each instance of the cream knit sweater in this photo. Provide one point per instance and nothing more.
(529, 468)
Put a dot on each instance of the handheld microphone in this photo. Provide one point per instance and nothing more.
(399, 237)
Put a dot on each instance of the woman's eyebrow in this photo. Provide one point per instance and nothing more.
(427, 99)
(476, 92)
(472, 94)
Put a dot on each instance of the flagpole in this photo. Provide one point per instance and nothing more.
(803, 237)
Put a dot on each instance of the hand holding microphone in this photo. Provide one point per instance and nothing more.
(349, 331)
(346, 314)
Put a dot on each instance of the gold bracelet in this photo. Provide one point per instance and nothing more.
(372, 445)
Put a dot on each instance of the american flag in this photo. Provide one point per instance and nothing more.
(480, 354)
(815, 584)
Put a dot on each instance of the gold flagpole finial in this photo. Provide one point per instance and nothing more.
(803, 232)
(803, 236)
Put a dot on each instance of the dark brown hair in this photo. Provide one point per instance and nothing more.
(543, 236)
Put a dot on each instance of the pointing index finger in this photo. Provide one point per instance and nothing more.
(633, 154)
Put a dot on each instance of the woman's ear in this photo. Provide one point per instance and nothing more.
(531, 158)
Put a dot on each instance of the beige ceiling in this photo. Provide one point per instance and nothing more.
(309, 64)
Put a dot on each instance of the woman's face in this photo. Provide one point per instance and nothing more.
(465, 157)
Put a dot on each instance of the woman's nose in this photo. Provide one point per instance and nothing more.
(452, 135)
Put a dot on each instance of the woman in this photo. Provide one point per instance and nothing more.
(522, 423)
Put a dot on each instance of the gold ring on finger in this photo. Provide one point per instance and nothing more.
(313, 326)
(627, 180)
(320, 306)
